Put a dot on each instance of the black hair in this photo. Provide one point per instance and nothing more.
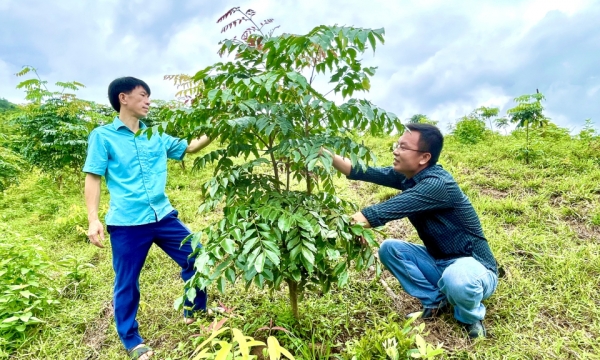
(123, 85)
(431, 140)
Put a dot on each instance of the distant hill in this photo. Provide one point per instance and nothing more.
(6, 105)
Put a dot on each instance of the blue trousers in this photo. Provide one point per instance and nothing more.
(462, 282)
(130, 246)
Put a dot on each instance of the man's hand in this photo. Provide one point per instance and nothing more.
(92, 199)
(359, 218)
(341, 164)
(96, 233)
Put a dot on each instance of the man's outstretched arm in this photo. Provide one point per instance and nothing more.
(92, 201)
(341, 164)
(198, 144)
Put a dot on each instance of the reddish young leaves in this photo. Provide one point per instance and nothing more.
(228, 13)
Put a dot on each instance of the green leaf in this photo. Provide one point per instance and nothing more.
(283, 223)
(272, 256)
(372, 41)
(297, 78)
(10, 319)
(230, 275)
(311, 164)
(249, 245)
(27, 294)
(228, 245)
(259, 263)
(191, 294)
(294, 252)
(339, 268)
(343, 278)
(309, 245)
(305, 224)
(296, 275)
(308, 255)
(25, 317)
(221, 285)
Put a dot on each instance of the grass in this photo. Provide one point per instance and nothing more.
(542, 221)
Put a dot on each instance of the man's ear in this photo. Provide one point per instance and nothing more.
(122, 98)
(425, 158)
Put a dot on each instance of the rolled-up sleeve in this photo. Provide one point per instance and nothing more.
(96, 160)
(175, 147)
(429, 194)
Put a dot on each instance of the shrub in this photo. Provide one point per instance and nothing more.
(24, 298)
(469, 130)
(393, 340)
(11, 165)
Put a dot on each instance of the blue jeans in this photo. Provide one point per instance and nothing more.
(130, 246)
(462, 282)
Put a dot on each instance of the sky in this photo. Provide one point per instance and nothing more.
(441, 58)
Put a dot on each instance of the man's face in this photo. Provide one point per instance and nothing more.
(137, 102)
(408, 157)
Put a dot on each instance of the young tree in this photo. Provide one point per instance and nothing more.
(282, 220)
(502, 123)
(487, 113)
(528, 113)
(421, 119)
(54, 126)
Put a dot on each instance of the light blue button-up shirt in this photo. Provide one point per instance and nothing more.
(135, 169)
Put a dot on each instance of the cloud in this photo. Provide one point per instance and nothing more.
(441, 58)
(469, 68)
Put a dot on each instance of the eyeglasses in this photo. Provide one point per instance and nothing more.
(402, 148)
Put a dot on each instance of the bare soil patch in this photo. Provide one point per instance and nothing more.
(585, 231)
(400, 229)
(493, 193)
(96, 332)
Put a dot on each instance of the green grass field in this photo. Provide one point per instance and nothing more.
(542, 221)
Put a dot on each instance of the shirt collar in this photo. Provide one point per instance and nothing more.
(424, 172)
(117, 124)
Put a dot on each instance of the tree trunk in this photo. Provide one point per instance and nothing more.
(309, 184)
(527, 144)
(294, 297)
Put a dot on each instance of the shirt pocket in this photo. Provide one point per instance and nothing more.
(157, 160)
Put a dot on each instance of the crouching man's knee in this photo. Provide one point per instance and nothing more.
(467, 282)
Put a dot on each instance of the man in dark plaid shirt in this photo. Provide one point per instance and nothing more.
(456, 265)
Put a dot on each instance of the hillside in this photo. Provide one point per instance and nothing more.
(6, 105)
(542, 221)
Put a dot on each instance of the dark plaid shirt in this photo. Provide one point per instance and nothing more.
(438, 209)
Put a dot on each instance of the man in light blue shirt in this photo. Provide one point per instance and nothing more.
(140, 214)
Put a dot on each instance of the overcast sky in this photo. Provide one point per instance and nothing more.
(441, 58)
